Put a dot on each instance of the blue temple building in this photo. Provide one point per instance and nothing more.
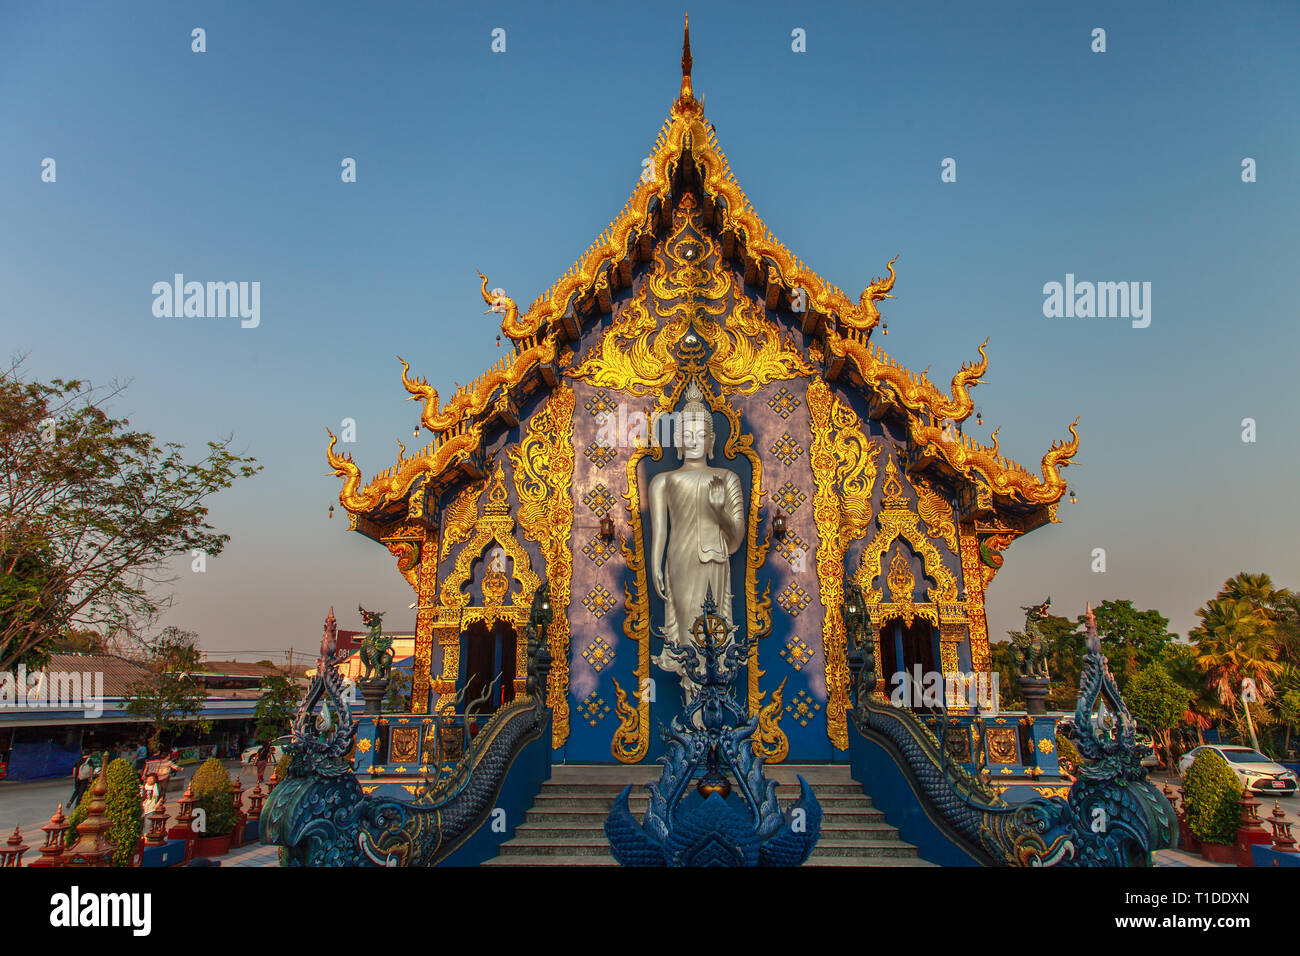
(847, 527)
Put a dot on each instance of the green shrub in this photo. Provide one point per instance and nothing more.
(214, 794)
(124, 811)
(1211, 795)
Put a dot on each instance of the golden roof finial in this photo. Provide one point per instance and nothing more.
(686, 58)
(686, 100)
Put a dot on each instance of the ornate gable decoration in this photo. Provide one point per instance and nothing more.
(839, 326)
(496, 524)
(898, 521)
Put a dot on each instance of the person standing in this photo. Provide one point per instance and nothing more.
(150, 794)
(81, 777)
(141, 755)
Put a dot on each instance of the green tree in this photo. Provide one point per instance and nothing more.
(275, 708)
(91, 514)
(1158, 701)
(1131, 639)
(169, 697)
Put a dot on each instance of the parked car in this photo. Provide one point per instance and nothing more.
(1252, 768)
(249, 757)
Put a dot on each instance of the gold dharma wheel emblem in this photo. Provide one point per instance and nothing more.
(710, 626)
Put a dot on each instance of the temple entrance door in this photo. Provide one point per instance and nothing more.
(906, 650)
(489, 657)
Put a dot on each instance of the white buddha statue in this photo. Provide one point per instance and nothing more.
(697, 521)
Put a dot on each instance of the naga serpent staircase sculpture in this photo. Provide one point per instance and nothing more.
(322, 817)
(1113, 815)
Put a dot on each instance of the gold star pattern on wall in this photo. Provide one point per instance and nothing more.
(593, 709)
(803, 707)
(786, 449)
(784, 402)
(599, 500)
(598, 654)
(599, 550)
(793, 599)
(600, 404)
(788, 497)
(600, 454)
(793, 548)
(598, 601)
(797, 653)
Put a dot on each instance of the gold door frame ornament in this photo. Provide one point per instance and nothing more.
(450, 619)
(842, 457)
(942, 609)
(543, 474)
(973, 577)
(424, 624)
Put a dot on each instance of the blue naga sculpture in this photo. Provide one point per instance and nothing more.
(711, 738)
(1113, 815)
(320, 814)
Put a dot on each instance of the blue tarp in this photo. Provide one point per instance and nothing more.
(41, 760)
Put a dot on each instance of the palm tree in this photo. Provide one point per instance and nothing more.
(1234, 641)
(1288, 627)
(1255, 590)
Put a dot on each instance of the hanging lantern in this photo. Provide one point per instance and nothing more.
(884, 328)
(331, 511)
(498, 340)
(979, 416)
(778, 525)
(607, 527)
(1073, 500)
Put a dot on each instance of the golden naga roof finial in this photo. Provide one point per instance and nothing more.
(878, 289)
(686, 102)
(504, 306)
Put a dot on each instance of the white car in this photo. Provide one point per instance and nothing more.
(249, 756)
(1252, 768)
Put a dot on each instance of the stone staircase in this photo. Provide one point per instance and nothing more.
(565, 826)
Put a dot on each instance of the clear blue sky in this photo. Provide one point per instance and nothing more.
(225, 166)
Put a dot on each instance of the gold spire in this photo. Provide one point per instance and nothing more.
(686, 100)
